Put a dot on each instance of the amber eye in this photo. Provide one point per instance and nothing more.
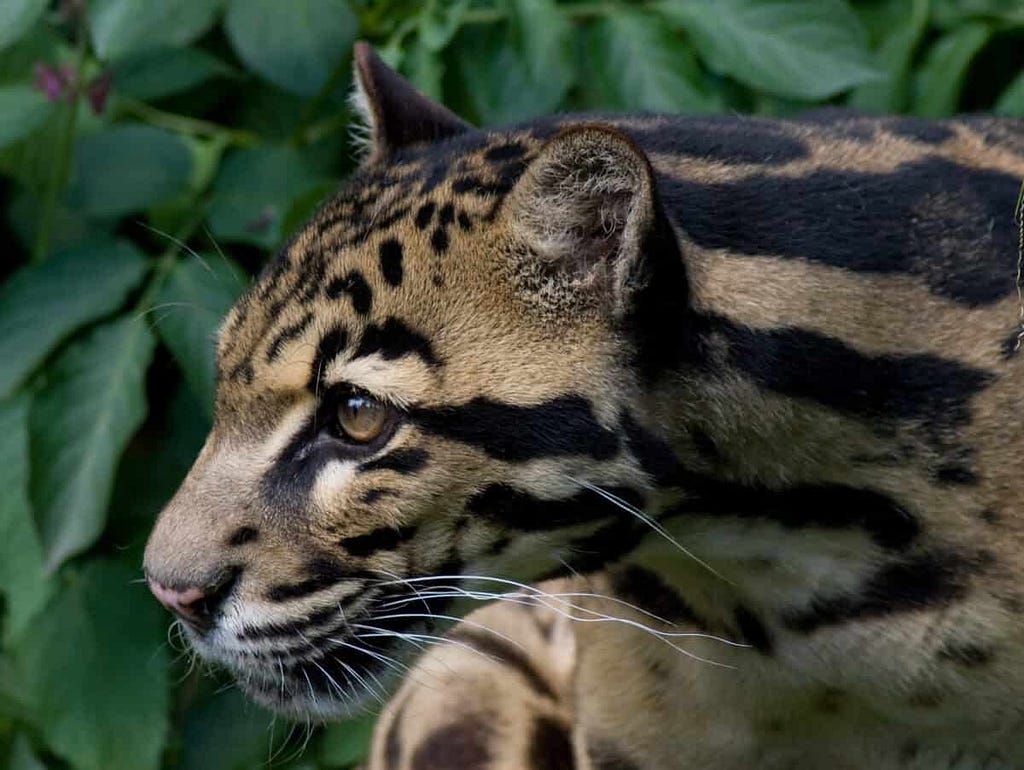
(362, 418)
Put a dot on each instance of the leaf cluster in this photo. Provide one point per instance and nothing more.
(153, 152)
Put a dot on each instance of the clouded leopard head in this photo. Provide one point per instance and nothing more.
(439, 376)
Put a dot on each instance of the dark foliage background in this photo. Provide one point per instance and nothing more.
(154, 152)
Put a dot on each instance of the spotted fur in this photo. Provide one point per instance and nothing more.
(752, 384)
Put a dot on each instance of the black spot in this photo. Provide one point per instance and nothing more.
(243, 372)
(799, 363)
(464, 745)
(528, 512)
(990, 516)
(504, 152)
(446, 215)
(321, 574)
(705, 445)
(243, 535)
(404, 461)
(563, 426)
(356, 287)
(330, 347)
(969, 655)
(753, 630)
(606, 545)
(439, 240)
(926, 581)
(392, 340)
(287, 334)
(728, 140)
(941, 221)
(383, 539)
(926, 131)
(465, 223)
(371, 496)
(830, 506)
(645, 589)
(606, 756)
(490, 645)
(475, 185)
(424, 214)
(955, 474)
(391, 261)
(550, 746)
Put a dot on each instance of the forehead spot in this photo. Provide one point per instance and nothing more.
(391, 261)
(439, 240)
(424, 214)
(355, 285)
(331, 346)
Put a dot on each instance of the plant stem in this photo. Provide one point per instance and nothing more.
(185, 124)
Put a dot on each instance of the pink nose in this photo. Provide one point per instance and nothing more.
(188, 604)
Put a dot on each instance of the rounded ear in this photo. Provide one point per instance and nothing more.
(583, 210)
(395, 113)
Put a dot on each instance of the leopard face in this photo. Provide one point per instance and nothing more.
(434, 380)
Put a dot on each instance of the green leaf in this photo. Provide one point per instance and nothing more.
(190, 306)
(96, 665)
(41, 304)
(636, 62)
(1011, 101)
(17, 17)
(227, 732)
(294, 44)
(802, 49)
(255, 189)
(24, 110)
(942, 75)
(498, 80)
(93, 402)
(345, 744)
(949, 14)
(155, 74)
(121, 27)
(438, 22)
(127, 168)
(23, 579)
(22, 757)
(906, 24)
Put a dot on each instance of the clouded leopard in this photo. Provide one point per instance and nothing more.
(746, 392)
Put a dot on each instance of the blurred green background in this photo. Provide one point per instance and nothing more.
(153, 153)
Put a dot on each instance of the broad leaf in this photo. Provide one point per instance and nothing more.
(96, 666)
(228, 732)
(1011, 101)
(439, 21)
(294, 44)
(255, 189)
(128, 168)
(905, 25)
(121, 27)
(190, 306)
(498, 79)
(22, 756)
(93, 402)
(24, 109)
(23, 579)
(17, 16)
(41, 304)
(802, 49)
(155, 74)
(636, 62)
(941, 78)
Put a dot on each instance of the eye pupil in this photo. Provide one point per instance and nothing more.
(362, 418)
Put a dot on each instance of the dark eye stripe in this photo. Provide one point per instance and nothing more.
(404, 461)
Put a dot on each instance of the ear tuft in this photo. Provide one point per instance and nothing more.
(583, 209)
(393, 113)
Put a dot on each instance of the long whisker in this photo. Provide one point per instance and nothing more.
(649, 521)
